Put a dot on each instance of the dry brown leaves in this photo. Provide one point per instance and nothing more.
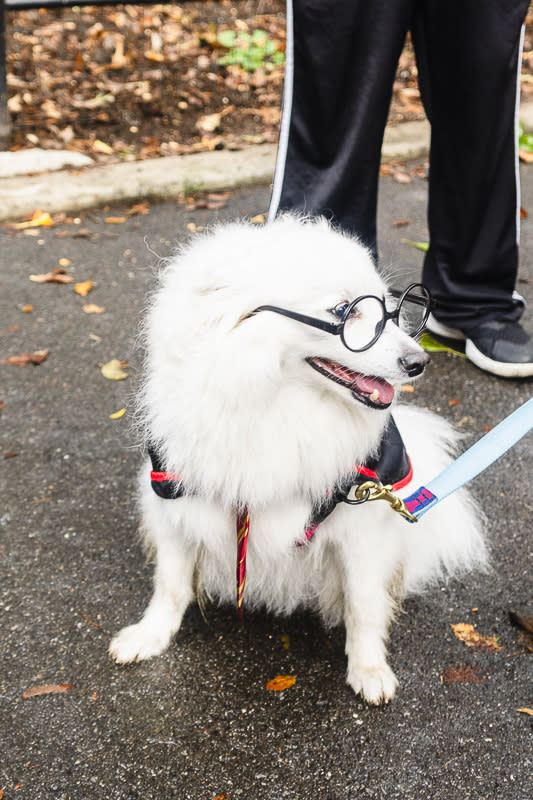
(84, 287)
(145, 81)
(463, 673)
(115, 370)
(51, 688)
(57, 275)
(280, 683)
(37, 357)
(467, 634)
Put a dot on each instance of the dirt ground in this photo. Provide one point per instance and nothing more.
(129, 82)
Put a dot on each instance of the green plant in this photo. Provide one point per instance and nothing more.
(249, 51)
(525, 140)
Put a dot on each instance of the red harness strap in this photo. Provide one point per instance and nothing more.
(243, 530)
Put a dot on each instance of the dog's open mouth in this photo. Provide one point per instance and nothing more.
(370, 390)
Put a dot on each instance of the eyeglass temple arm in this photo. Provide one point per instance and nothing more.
(421, 301)
(329, 327)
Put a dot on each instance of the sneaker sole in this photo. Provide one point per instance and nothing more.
(438, 328)
(501, 368)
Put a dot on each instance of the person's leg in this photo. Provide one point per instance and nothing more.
(468, 54)
(341, 62)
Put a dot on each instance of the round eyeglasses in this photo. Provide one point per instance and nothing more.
(363, 320)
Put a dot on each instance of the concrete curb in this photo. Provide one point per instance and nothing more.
(131, 181)
(173, 175)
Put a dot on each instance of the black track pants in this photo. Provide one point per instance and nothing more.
(341, 62)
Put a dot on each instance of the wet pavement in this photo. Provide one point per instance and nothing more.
(198, 723)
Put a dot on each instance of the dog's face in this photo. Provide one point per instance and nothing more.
(319, 275)
(303, 267)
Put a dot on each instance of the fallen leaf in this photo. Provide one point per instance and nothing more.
(401, 177)
(407, 387)
(38, 219)
(115, 220)
(102, 147)
(65, 262)
(285, 640)
(281, 682)
(211, 201)
(401, 223)
(115, 370)
(118, 414)
(84, 288)
(151, 55)
(467, 634)
(52, 688)
(10, 454)
(193, 228)
(259, 219)
(209, 122)
(11, 329)
(463, 673)
(119, 60)
(139, 208)
(454, 401)
(525, 711)
(525, 156)
(57, 275)
(91, 308)
(432, 346)
(37, 357)
(523, 213)
(27, 309)
(419, 245)
(14, 104)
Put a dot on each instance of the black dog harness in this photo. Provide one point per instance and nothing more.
(390, 466)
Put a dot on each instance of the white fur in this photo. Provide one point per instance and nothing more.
(235, 408)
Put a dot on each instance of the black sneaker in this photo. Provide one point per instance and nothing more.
(502, 348)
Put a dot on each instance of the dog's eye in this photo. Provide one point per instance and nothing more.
(340, 309)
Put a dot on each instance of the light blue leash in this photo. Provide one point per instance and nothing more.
(473, 461)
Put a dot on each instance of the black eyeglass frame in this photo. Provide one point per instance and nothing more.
(337, 328)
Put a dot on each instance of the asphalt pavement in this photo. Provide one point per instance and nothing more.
(198, 722)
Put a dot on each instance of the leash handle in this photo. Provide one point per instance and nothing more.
(473, 461)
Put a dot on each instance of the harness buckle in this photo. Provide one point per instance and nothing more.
(369, 490)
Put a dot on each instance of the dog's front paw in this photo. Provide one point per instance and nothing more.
(138, 642)
(377, 685)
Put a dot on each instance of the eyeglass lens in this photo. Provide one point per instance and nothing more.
(413, 310)
(364, 323)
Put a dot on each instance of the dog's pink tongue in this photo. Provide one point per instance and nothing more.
(376, 388)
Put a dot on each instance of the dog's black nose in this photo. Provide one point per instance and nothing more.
(413, 363)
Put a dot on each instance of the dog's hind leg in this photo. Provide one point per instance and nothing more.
(368, 611)
(173, 592)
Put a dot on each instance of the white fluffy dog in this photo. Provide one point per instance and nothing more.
(258, 414)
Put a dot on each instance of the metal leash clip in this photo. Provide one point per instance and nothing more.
(369, 490)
